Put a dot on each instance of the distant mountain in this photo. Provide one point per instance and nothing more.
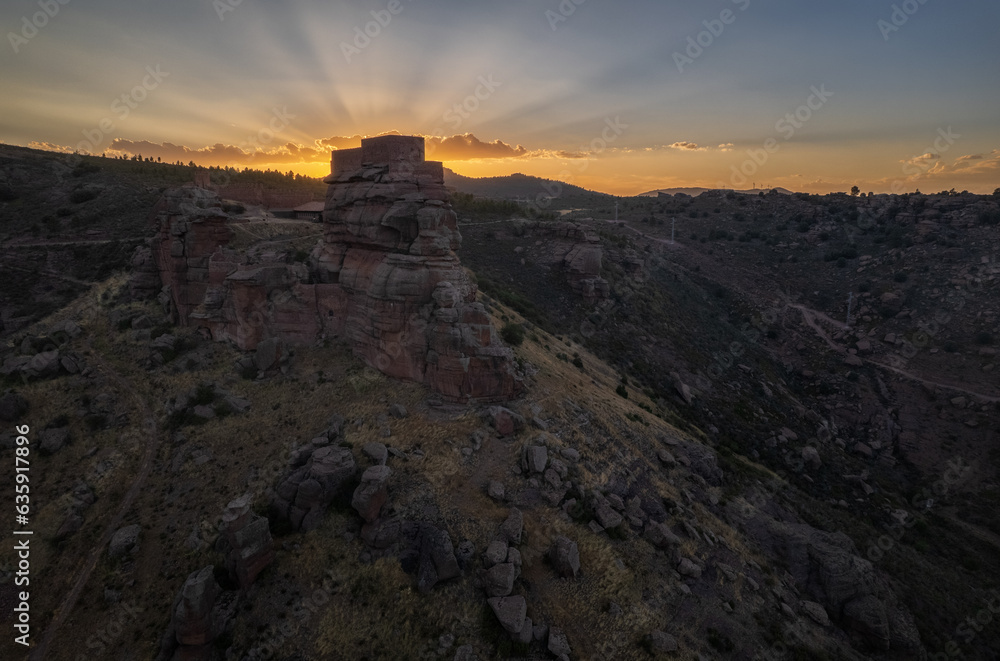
(522, 187)
(694, 192)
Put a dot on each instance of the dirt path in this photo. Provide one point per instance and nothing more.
(86, 568)
(810, 316)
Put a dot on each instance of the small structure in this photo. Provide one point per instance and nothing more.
(310, 211)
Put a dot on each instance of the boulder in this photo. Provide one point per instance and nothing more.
(377, 452)
(687, 567)
(194, 618)
(866, 616)
(536, 458)
(124, 542)
(303, 496)
(558, 642)
(496, 552)
(499, 579)
(248, 538)
(505, 421)
(510, 529)
(565, 557)
(437, 561)
(510, 611)
(371, 494)
(659, 534)
(816, 613)
(608, 517)
(53, 440)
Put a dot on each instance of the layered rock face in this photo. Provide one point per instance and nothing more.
(385, 276)
(390, 246)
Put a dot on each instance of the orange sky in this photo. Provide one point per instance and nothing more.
(817, 99)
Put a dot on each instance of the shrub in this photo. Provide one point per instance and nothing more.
(622, 390)
(82, 195)
(900, 277)
(984, 337)
(512, 333)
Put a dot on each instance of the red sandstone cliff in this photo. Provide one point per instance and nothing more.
(385, 276)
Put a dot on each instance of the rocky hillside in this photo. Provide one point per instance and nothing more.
(701, 463)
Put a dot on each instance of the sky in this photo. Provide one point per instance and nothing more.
(620, 97)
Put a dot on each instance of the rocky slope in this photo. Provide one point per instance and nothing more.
(703, 463)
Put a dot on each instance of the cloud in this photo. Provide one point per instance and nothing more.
(468, 147)
(49, 146)
(686, 145)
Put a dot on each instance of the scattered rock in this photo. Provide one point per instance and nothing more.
(377, 452)
(124, 542)
(499, 579)
(687, 567)
(496, 552)
(495, 490)
(536, 458)
(816, 613)
(505, 421)
(607, 517)
(248, 538)
(510, 530)
(398, 411)
(558, 643)
(565, 557)
(53, 440)
(371, 494)
(510, 611)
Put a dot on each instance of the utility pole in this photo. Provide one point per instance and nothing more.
(850, 303)
(673, 226)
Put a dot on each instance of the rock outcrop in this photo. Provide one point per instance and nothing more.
(385, 276)
(246, 541)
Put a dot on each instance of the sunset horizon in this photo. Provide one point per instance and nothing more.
(692, 98)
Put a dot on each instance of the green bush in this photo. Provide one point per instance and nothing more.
(622, 390)
(512, 333)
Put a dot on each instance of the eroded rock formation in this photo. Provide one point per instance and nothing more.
(385, 276)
